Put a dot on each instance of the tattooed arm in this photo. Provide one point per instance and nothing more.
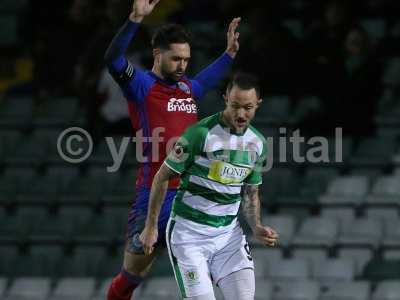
(252, 212)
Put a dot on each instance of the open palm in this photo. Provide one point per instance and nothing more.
(143, 8)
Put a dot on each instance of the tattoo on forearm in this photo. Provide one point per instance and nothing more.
(251, 205)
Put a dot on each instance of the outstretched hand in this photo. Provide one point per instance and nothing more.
(142, 8)
(232, 46)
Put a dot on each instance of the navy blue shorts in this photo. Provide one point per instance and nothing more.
(137, 217)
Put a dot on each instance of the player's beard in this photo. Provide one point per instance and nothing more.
(173, 76)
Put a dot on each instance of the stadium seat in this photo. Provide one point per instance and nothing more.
(389, 254)
(382, 269)
(84, 261)
(263, 290)
(391, 73)
(386, 186)
(64, 176)
(54, 228)
(356, 186)
(387, 290)
(111, 266)
(49, 255)
(295, 26)
(9, 253)
(98, 229)
(73, 288)
(30, 152)
(55, 112)
(294, 269)
(316, 180)
(284, 225)
(370, 172)
(361, 256)
(16, 112)
(345, 190)
(392, 233)
(76, 214)
(29, 288)
(101, 154)
(343, 215)
(356, 290)
(366, 232)
(276, 178)
(16, 228)
(101, 290)
(274, 110)
(126, 184)
(161, 287)
(385, 191)
(297, 290)
(16, 179)
(9, 139)
(3, 285)
(386, 215)
(376, 28)
(313, 256)
(95, 183)
(376, 151)
(317, 231)
(262, 257)
(334, 269)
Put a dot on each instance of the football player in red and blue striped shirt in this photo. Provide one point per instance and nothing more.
(162, 103)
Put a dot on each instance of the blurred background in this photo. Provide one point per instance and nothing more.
(322, 64)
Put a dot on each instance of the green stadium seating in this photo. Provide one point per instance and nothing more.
(29, 288)
(56, 112)
(15, 113)
(380, 269)
(8, 255)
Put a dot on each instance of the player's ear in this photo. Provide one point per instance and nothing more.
(259, 102)
(225, 98)
(156, 54)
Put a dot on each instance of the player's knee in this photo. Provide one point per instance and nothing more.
(239, 285)
(137, 264)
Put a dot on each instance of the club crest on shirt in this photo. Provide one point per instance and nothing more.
(177, 153)
(184, 87)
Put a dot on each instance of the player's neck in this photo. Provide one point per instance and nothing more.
(156, 70)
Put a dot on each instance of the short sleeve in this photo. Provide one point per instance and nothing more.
(185, 150)
(255, 177)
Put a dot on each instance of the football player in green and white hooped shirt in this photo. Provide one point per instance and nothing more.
(219, 160)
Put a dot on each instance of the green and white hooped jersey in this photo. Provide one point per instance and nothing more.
(214, 164)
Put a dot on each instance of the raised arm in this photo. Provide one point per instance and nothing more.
(252, 213)
(209, 77)
(149, 235)
(114, 57)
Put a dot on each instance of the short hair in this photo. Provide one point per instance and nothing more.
(244, 81)
(170, 34)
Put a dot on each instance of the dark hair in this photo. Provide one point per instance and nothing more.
(169, 34)
(245, 81)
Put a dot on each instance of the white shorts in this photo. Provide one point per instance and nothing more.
(199, 260)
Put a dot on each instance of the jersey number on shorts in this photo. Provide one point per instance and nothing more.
(247, 249)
